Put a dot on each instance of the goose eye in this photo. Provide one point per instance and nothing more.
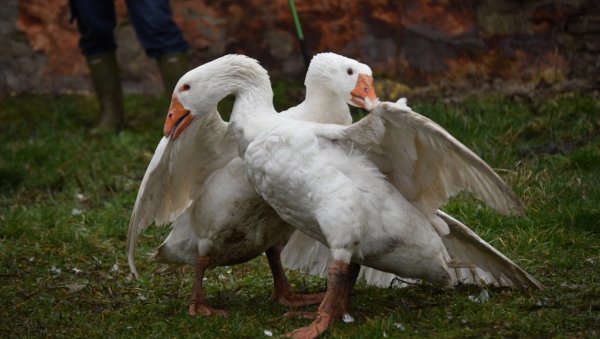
(350, 71)
(185, 87)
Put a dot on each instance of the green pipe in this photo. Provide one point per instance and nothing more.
(296, 19)
(299, 33)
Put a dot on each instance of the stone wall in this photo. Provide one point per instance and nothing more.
(444, 43)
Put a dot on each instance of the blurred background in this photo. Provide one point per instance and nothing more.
(515, 81)
(458, 46)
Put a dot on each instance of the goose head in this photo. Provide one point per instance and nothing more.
(198, 92)
(342, 77)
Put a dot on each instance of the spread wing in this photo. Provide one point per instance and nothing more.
(176, 173)
(474, 261)
(479, 262)
(425, 163)
(428, 166)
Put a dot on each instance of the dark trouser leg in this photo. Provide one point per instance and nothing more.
(96, 22)
(161, 38)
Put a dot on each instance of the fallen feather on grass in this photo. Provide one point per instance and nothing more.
(483, 297)
(115, 268)
(55, 270)
(542, 302)
(347, 318)
(399, 326)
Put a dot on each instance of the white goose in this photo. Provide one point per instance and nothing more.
(370, 191)
(224, 221)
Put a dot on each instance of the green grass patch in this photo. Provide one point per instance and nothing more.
(66, 197)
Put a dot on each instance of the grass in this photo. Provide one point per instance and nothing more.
(65, 200)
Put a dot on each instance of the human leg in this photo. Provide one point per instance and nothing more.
(96, 22)
(104, 71)
(161, 38)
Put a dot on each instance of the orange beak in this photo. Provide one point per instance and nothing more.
(363, 94)
(178, 119)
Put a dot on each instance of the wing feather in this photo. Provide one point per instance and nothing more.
(490, 266)
(428, 166)
(425, 163)
(176, 174)
(305, 254)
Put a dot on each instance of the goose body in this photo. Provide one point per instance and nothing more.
(228, 208)
(217, 217)
(369, 191)
(344, 201)
(228, 222)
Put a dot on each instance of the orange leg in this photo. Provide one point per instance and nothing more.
(197, 305)
(340, 280)
(283, 292)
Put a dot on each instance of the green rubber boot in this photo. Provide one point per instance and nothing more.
(107, 84)
(172, 67)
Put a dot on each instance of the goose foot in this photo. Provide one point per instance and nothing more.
(340, 280)
(197, 305)
(313, 330)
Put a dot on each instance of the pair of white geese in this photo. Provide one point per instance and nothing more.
(340, 195)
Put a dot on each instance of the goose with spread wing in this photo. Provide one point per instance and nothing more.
(196, 181)
(369, 191)
(474, 261)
